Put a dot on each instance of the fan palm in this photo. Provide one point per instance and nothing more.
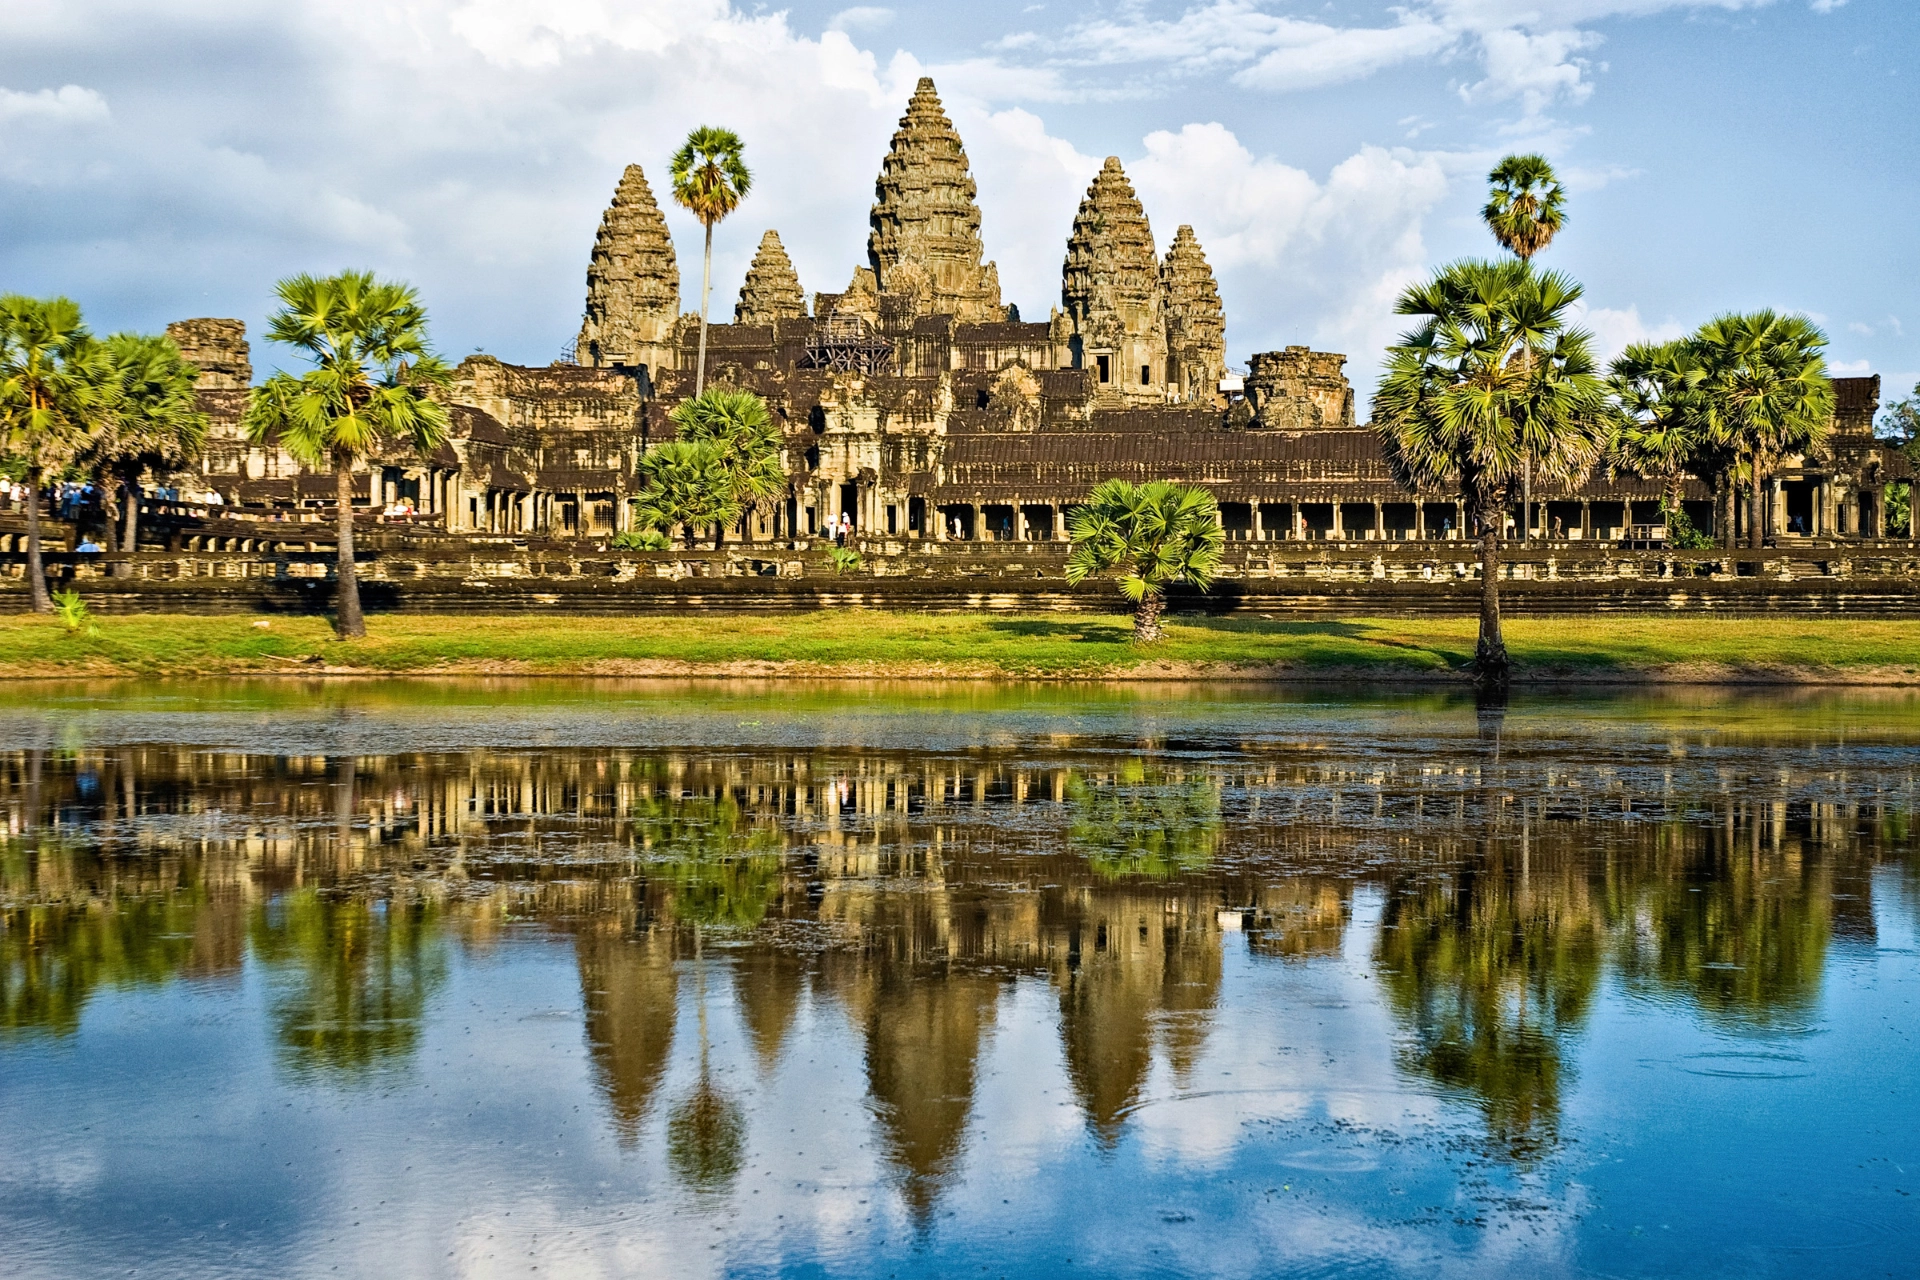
(1494, 381)
(1153, 535)
(1662, 434)
(1766, 394)
(371, 384)
(155, 424)
(710, 179)
(1526, 206)
(687, 483)
(750, 444)
(52, 395)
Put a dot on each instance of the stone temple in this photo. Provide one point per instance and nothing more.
(918, 403)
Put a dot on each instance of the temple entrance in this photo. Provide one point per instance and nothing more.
(1800, 520)
(997, 523)
(959, 522)
(916, 515)
(1039, 522)
(850, 501)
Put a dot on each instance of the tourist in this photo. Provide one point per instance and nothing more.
(1559, 530)
(89, 547)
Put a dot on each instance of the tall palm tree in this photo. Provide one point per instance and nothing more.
(1767, 395)
(1525, 209)
(750, 444)
(1494, 380)
(371, 385)
(1662, 434)
(51, 396)
(710, 179)
(1154, 535)
(687, 483)
(155, 424)
(1526, 206)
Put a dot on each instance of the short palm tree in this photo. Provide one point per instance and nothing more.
(1662, 434)
(1153, 536)
(710, 179)
(1766, 394)
(371, 387)
(750, 443)
(1526, 206)
(686, 483)
(155, 425)
(52, 394)
(1493, 381)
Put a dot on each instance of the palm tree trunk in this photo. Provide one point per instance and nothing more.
(130, 534)
(1526, 500)
(36, 569)
(347, 620)
(1146, 619)
(706, 287)
(1490, 664)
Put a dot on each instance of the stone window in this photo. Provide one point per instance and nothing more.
(1146, 374)
(1105, 365)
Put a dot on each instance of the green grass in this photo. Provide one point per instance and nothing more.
(901, 644)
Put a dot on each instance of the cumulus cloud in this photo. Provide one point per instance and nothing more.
(1615, 329)
(860, 18)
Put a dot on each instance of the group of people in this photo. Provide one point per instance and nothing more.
(841, 529)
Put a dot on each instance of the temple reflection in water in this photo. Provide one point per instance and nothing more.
(908, 893)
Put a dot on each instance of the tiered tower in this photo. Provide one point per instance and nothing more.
(925, 238)
(772, 289)
(633, 283)
(1110, 289)
(1196, 323)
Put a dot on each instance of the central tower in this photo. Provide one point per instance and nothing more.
(925, 238)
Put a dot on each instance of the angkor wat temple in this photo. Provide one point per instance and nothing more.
(918, 403)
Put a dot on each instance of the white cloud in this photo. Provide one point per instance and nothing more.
(69, 104)
(1539, 70)
(1825, 6)
(1331, 55)
(860, 18)
(1614, 329)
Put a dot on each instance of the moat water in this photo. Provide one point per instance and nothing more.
(599, 979)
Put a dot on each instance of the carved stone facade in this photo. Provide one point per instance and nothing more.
(925, 238)
(633, 282)
(1296, 389)
(772, 289)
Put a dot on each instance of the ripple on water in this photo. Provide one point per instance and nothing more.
(1739, 1064)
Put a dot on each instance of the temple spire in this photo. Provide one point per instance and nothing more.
(1196, 323)
(1110, 290)
(925, 238)
(772, 289)
(633, 281)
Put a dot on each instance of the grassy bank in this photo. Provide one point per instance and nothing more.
(971, 645)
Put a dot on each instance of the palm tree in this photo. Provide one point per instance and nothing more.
(51, 393)
(1767, 395)
(371, 384)
(1493, 381)
(1526, 206)
(710, 179)
(1154, 535)
(687, 483)
(1525, 209)
(155, 424)
(750, 444)
(1662, 434)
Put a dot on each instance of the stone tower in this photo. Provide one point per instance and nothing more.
(772, 290)
(218, 349)
(925, 239)
(633, 283)
(1110, 290)
(1196, 323)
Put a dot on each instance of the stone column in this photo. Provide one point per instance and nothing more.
(1460, 519)
(1337, 530)
(1777, 507)
(1296, 521)
(1019, 520)
(1379, 522)
(1419, 520)
(1259, 526)
(1586, 522)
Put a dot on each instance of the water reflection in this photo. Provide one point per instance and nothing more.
(906, 892)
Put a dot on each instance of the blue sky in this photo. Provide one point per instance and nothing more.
(162, 160)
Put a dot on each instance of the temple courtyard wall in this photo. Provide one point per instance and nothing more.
(1275, 580)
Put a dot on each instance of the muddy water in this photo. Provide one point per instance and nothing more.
(519, 978)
